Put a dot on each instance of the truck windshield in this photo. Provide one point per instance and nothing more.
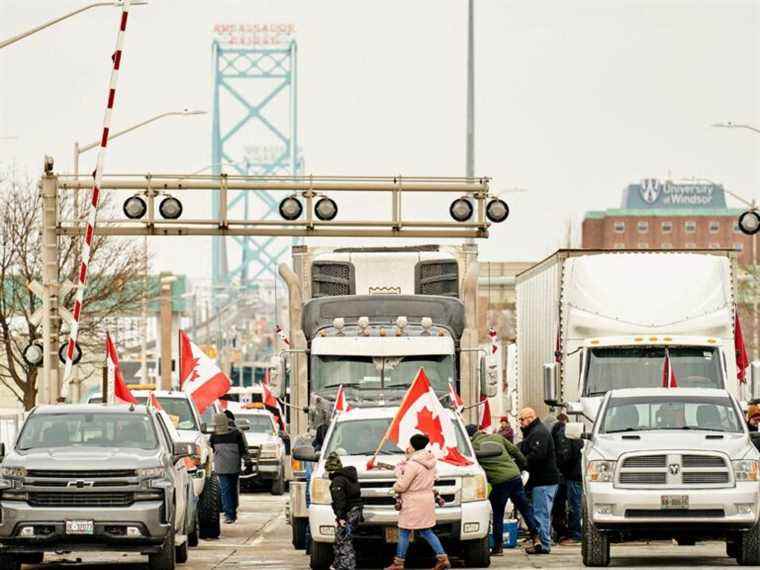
(611, 368)
(260, 423)
(129, 430)
(670, 413)
(179, 411)
(377, 373)
(361, 437)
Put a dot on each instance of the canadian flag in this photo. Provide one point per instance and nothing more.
(199, 376)
(484, 415)
(121, 393)
(422, 412)
(341, 404)
(494, 340)
(271, 402)
(742, 358)
(668, 374)
(454, 399)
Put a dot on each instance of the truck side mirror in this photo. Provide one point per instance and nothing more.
(243, 425)
(574, 430)
(754, 379)
(306, 453)
(551, 384)
(488, 380)
(207, 429)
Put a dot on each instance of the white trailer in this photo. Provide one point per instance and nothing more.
(592, 321)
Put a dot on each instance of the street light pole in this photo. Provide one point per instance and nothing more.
(21, 36)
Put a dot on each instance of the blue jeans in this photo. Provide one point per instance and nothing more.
(574, 496)
(228, 484)
(500, 493)
(427, 534)
(543, 499)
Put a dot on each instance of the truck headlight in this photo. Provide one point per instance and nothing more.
(600, 471)
(474, 488)
(13, 472)
(150, 472)
(746, 470)
(320, 491)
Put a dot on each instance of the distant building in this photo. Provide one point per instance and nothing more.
(657, 214)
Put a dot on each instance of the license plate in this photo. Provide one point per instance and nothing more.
(80, 527)
(391, 534)
(674, 501)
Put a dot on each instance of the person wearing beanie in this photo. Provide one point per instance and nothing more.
(230, 449)
(415, 478)
(504, 475)
(505, 430)
(753, 417)
(347, 506)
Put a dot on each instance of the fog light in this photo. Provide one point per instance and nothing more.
(133, 531)
(603, 509)
(290, 208)
(327, 530)
(27, 531)
(135, 207)
(461, 209)
(744, 508)
(170, 208)
(469, 528)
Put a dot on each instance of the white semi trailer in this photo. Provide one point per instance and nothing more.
(593, 321)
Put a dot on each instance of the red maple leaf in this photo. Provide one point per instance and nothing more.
(194, 370)
(430, 426)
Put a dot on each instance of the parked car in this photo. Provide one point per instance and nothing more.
(91, 477)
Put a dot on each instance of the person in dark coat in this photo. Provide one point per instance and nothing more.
(538, 448)
(505, 430)
(566, 513)
(347, 506)
(230, 448)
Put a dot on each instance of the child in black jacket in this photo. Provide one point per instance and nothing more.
(347, 506)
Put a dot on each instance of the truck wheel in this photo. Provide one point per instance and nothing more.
(731, 549)
(10, 562)
(208, 509)
(683, 541)
(300, 525)
(278, 484)
(31, 558)
(164, 560)
(181, 553)
(321, 555)
(477, 553)
(748, 548)
(193, 538)
(595, 546)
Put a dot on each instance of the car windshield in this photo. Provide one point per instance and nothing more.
(128, 430)
(612, 368)
(179, 411)
(671, 413)
(377, 373)
(361, 437)
(260, 423)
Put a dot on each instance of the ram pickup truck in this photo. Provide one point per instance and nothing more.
(670, 463)
(91, 477)
(266, 450)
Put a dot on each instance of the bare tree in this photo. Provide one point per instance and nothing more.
(114, 283)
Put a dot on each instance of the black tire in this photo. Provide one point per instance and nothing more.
(208, 509)
(321, 555)
(748, 548)
(32, 558)
(166, 559)
(181, 553)
(193, 537)
(731, 549)
(278, 484)
(684, 541)
(595, 546)
(300, 526)
(476, 554)
(10, 562)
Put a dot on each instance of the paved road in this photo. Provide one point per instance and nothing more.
(261, 540)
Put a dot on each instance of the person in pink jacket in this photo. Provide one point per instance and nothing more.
(415, 478)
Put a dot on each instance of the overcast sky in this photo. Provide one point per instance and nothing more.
(575, 99)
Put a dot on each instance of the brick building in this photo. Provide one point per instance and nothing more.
(670, 215)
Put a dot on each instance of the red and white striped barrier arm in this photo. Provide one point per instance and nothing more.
(92, 217)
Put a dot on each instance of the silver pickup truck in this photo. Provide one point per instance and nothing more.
(670, 463)
(91, 477)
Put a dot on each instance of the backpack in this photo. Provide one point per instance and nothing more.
(563, 447)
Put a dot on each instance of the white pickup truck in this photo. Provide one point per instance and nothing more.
(463, 522)
(673, 463)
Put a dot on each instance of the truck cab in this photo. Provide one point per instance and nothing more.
(670, 463)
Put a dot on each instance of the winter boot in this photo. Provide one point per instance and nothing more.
(398, 564)
(442, 562)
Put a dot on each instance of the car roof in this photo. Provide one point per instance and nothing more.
(177, 394)
(90, 409)
(668, 392)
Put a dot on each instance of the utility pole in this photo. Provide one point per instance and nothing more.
(51, 320)
(166, 333)
(470, 166)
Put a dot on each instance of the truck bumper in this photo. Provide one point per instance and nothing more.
(469, 521)
(735, 507)
(111, 528)
(263, 469)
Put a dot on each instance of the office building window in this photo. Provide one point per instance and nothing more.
(619, 227)
(739, 246)
(736, 228)
(690, 227)
(643, 227)
(714, 227)
(666, 227)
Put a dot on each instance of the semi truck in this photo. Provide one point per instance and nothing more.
(591, 321)
(367, 319)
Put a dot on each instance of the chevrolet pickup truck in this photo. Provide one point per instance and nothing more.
(670, 463)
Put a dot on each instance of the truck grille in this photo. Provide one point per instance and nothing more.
(87, 474)
(674, 470)
(674, 513)
(81, 499)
